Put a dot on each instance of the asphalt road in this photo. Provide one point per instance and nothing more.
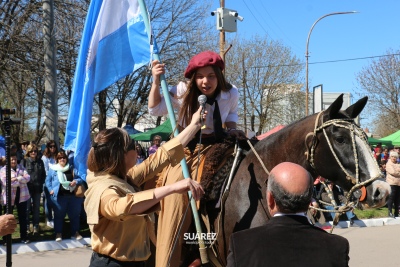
(75, 257)
(373, 246)
(369, 247)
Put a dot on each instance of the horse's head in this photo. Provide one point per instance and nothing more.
(339, 151)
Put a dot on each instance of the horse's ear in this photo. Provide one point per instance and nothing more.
(357, 107)
(335, 107)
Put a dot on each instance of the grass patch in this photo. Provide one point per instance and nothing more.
(366, 214)
(372, 213)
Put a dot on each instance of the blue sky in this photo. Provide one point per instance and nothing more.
(371, 32)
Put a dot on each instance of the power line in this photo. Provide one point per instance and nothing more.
(351, 59)
(277, 25)
(261, 25)
(328, 61)
(263, 19)
(254, 17)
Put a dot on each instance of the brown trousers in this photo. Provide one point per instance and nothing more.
(172, 213)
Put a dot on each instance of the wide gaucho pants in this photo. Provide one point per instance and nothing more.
(172, 212)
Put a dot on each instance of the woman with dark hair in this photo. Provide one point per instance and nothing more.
(117, 211)
(50, 154)
(49, 158)
(141, 154)
(35, 168)
(61, 181)
(205, 77)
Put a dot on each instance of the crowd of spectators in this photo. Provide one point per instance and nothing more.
(38, 178)
(36, 168)
(382, 156)
(388, 161)
(328, 196)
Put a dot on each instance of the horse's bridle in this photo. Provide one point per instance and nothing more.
(354, 131)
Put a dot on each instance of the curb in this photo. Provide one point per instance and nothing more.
(19, 248)
(362, 223)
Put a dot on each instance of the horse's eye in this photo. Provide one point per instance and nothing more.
(340, 140)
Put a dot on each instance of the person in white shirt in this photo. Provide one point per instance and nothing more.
(205, 77)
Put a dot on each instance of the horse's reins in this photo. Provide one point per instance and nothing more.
(258, 157)
(355, 131)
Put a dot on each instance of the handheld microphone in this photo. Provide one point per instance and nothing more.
(202, 101)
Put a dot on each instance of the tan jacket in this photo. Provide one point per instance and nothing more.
(392, 173)
(115, 232)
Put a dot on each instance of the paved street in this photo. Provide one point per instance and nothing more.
(76, 257)
(373, 246)
(369, 247)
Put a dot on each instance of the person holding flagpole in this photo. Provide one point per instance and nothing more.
(117, 210)
(205, 77)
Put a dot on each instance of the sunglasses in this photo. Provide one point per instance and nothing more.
(34, 151)
(62, 158)
(52, 146)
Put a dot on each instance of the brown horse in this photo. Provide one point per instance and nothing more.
(328, 144)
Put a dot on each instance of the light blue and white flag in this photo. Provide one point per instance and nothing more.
(114, 44)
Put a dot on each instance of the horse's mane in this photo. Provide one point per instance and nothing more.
(217, 155)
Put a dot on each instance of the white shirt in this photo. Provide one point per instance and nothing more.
(284, 214)
(227, 103)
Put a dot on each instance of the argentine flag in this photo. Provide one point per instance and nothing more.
(114, 44)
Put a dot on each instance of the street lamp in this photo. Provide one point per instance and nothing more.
(308, 39)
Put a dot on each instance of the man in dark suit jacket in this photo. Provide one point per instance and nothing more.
(288, 239)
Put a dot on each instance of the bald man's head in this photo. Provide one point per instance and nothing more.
(291, 187)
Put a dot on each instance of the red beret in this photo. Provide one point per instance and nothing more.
(206, 58)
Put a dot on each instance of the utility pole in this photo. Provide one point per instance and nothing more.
(244, 96)
(50, 76)
(226, 22)
(222, 36)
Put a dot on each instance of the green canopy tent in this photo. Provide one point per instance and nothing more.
(373, 141)
(394, 138)
(164, 130)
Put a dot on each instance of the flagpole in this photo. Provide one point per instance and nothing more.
(185, 170)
